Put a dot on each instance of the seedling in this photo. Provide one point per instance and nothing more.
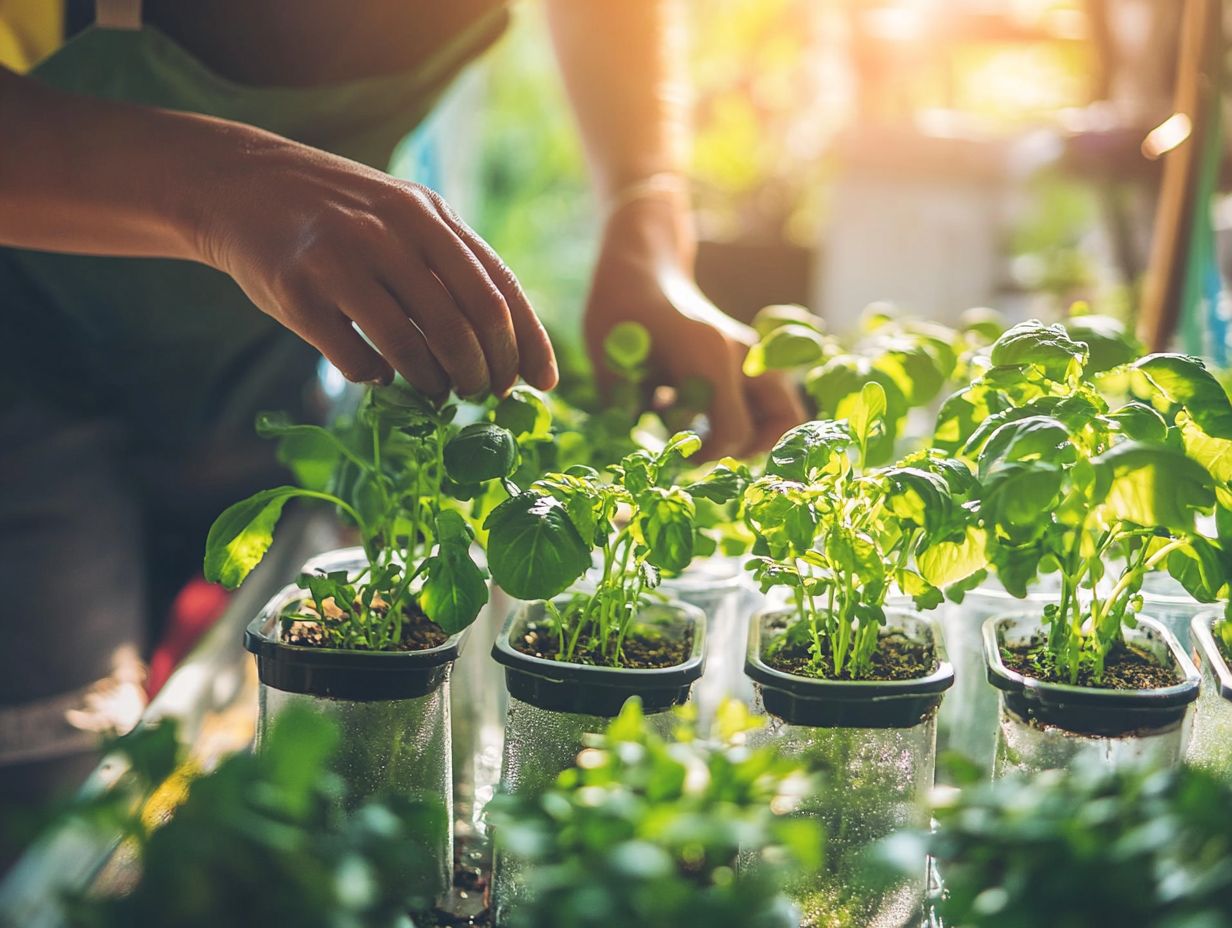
(840, 535)
(637, 525)
(398, 471)
(1071, 484)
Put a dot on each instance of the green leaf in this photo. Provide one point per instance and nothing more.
(1140, 422)
(785, 348)
(1152, 486)
(400, 404)
(917, 370)
(1017, 493)
(1215, 454)
(666, 523)
(724, 483)
(239, 538)
(1048, 347)
(681, 445)
(769, 318)
(534, 550)
(1109, 343)
(454, 587)
(481, 451)
(945, 562)
(811, 449)
(310, 452)
(627, 347)
(782, 513)
(1186, 382)
(1201, 569)
(524, 412)
(1030, 439)
(866, 416)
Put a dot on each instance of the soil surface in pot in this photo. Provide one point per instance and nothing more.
(1126, 667)
(419, 633)
(897, 658)
(643, 649)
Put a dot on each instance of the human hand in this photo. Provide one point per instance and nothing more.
(644, 275)
(323, 244)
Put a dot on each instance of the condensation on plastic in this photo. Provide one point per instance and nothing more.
(478, 711)
(539, 744)
(872, 782)
(719, 587)
(395, 746)
(968, 718)
(1029, 747)
(392, 746)
(1210, 745)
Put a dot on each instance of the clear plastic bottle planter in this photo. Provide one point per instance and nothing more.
(553, 704)
(1211, 743)
(719, 588)
(1044, 726)
(391, 709)
(967, 721)
(873, 746)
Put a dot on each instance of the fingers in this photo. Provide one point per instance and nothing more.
(332, 334)
(731, 426)
(536, 359)
(480, 301)
(399, 340)
(775, 405)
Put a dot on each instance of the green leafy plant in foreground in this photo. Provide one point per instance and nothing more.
(639, 524)
(1087, 848)
(261, 840)
(645, 833)
(397, 470)
(840, 535)
(1071, 482)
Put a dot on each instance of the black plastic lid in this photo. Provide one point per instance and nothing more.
(1207, 652)
(1087, 710)
(583, 689)
(820, 703)
(362, 676)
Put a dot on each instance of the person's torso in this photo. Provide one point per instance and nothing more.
(178, 342)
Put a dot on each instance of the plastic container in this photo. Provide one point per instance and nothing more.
(872, 745)
(391, 709)
(719, 587)
(967, 722)
(1050, 725)
(553, 704)
(1211, 743)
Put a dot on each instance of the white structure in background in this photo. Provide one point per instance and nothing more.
(920, 219)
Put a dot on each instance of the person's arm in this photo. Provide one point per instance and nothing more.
(316, 241)
(623, 63)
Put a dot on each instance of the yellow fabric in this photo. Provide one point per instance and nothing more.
(30, 30)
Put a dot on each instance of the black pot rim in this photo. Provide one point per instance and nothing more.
(1207, 649)
(823, 703)
(332, 673)
(584, 689)
(1090, 710)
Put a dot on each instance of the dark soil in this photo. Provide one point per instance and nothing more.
(1126, 668)
(642, 650)
(897, 658)
(419, 633)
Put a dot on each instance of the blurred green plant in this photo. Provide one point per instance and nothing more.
(261, 840)
(646, 833)
(1086, 848)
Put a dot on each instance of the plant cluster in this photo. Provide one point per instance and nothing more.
(840, 535)
(1088, 459)
(912, 361)
(632, 527)
(1087, 848)
(261, 840)
(399, 470)
(643, 833)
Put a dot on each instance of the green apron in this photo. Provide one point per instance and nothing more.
(173, 348)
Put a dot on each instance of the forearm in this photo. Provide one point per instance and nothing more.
(623, 64)
(91, 176)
